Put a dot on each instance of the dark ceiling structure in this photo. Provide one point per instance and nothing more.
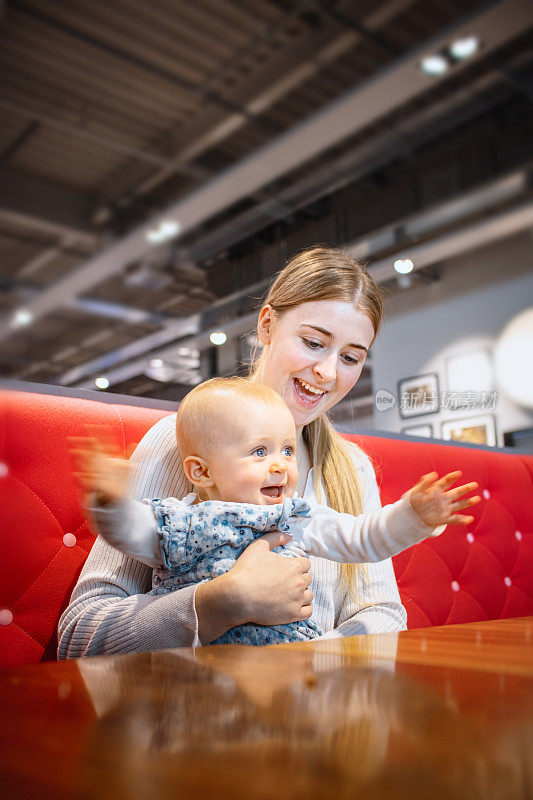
(160, 161)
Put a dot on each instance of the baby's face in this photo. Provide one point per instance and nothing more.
(254, 459)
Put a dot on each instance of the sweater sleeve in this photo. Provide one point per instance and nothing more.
(109, 611)
(372, 536)
(374, 605)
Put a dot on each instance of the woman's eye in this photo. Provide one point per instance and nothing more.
(351, 360)
(311, 343)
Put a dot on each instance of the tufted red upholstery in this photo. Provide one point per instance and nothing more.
(483, 573)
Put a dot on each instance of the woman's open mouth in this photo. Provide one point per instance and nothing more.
(309, 395)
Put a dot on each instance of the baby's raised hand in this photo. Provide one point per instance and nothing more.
(101, 470)
(437, 504)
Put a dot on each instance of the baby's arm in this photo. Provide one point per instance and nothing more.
(125, 524)
(131, 527)
(381, 534)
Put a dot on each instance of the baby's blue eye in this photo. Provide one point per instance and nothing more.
(260, 451)
(288, 450)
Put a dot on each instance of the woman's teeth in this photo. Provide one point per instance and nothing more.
(309, 388)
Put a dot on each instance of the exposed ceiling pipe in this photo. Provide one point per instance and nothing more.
(499, 191)
(452, 244)
(389, 89)
(424, 255)
(171, 332)
(201, 341)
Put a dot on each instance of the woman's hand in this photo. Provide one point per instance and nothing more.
(262, 587)
(437, 504)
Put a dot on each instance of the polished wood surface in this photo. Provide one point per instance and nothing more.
(430, 713)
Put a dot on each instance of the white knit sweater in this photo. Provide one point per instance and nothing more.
(111, 613)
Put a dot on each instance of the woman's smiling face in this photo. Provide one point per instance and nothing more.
(314, 354)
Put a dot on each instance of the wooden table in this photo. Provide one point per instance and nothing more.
(430, 713)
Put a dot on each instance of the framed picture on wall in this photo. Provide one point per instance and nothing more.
(419, 430)
(418, 395)
(475, 430)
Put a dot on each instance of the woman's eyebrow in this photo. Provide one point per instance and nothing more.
(330, 335)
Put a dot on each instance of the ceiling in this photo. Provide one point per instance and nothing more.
(256, 128)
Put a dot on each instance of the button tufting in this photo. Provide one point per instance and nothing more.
(3, 469)
(507, 581)
(518, 536)
(470, 537)
(486, 494)
(455, 586)
(69, 540)
(6, 617)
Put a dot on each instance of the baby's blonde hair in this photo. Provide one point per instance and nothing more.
(203, 413)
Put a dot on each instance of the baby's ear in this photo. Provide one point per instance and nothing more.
(197, 472)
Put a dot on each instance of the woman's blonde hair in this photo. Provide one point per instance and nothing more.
(326, 273)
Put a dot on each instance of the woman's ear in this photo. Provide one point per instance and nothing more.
(265, 323)
(197, 472)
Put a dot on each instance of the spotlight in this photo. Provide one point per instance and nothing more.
(403, 265)
(434, 65)
(218, 337)
(21, 317)
(167, 229)
(464, 48)
(102, 382)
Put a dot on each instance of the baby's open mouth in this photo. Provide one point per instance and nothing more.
(272, 491)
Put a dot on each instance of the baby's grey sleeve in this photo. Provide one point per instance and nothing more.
(130, 527)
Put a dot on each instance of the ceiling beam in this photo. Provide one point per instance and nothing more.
(257, 95)
(44, 205)
(469, 237)
(390, 89)
(440, 248)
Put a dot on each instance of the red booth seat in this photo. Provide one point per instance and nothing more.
(483, 572)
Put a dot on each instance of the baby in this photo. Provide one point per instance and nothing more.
(237, 442)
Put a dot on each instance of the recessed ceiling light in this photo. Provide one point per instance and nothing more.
(21, 317)
(184, 351)
(218, 337)
(102, 382)
(167, 229)
(156, 362)
(403, 265)
(434, 65)
(464, 48)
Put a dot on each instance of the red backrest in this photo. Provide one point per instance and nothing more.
(484, 572)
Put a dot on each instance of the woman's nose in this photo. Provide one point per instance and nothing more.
(326, 369)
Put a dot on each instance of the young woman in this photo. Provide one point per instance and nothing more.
(318, 322)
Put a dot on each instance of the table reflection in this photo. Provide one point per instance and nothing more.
(268, 722)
